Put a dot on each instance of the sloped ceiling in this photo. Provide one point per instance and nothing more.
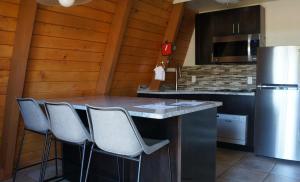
(210, 5)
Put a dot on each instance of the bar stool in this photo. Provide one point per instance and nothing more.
(114, 133)
(34, 121)
(67, 127)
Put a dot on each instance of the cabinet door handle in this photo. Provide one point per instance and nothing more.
(238, 28)
(233, 28)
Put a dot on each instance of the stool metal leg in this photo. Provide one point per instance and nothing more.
(82, 161)
(46, 152)
(139, 168)
(170, 166)
(123, 171)
(89, 162)
(18, 158)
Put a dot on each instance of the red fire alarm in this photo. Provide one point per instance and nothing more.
(166, 48)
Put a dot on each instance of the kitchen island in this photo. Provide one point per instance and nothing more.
(236, 103)
(189, 125)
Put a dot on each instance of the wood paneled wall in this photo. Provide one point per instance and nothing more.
(141, 45)
(182, 43)
(67, 49)
(65, 57)
(184, 36)
(8, 21)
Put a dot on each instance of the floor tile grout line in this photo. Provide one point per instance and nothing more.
(269, 173)
(266, 177)
(231, 166)
(277, 174)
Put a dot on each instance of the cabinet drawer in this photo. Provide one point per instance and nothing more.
(232, 128)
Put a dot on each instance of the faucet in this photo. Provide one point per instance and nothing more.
(178, 75)
(177, 71)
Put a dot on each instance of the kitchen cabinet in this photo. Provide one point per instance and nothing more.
(251, 20)
(225, 22)
(204, 37)
(239, 21)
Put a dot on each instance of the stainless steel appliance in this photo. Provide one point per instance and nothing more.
(232, 128)
(277, 110)
(236, 48)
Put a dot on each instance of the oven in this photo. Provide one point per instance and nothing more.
(232, 128)
(236, 48)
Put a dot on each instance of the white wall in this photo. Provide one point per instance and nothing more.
(282, 26)
(190, 55)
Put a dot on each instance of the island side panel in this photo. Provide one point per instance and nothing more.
(156, 166)
(199, 135)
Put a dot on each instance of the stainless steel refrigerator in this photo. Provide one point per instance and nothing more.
(277, 110)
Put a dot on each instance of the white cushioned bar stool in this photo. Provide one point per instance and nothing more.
(35, 121)
(66, 126)
(114, 133)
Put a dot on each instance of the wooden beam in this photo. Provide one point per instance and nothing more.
(25, 23)
(170, 35)
(1, 174)
(113, 46)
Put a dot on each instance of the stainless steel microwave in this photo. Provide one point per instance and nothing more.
(236, 48)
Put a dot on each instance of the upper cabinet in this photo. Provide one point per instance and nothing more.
(203, 38)
(225, 22)
(240, 21)
(251, 20)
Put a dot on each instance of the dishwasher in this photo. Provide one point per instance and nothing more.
(232, 128)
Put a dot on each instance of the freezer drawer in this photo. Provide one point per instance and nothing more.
(277, 124)
(232, 128)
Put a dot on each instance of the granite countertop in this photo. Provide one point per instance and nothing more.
(130, 103)
(167, 92)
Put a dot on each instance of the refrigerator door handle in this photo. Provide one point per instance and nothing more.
(271, 87)
(278, 86)
(266, 86)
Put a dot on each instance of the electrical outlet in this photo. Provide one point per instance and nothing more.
(194, 79)
(249, 80)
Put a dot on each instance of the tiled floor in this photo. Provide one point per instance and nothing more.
(232, 166)
(236, 166)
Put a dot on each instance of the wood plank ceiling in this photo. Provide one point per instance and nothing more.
(146, 28)
(66, 56)
(15, 85)
(67, 49)
(8, 23)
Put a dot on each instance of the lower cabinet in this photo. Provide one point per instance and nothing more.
(235, 118)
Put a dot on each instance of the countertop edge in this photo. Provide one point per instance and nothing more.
(208, 105)
(201, 107)
(194, 92)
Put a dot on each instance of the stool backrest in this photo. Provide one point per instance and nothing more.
(33, 116)
(113, 130)
(65, 123)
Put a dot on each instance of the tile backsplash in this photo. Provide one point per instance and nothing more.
(213, 77)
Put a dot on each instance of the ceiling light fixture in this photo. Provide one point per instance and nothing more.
(64, 3)
(227, 1)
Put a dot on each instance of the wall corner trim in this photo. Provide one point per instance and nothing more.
(24, 30)
(113, 47)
